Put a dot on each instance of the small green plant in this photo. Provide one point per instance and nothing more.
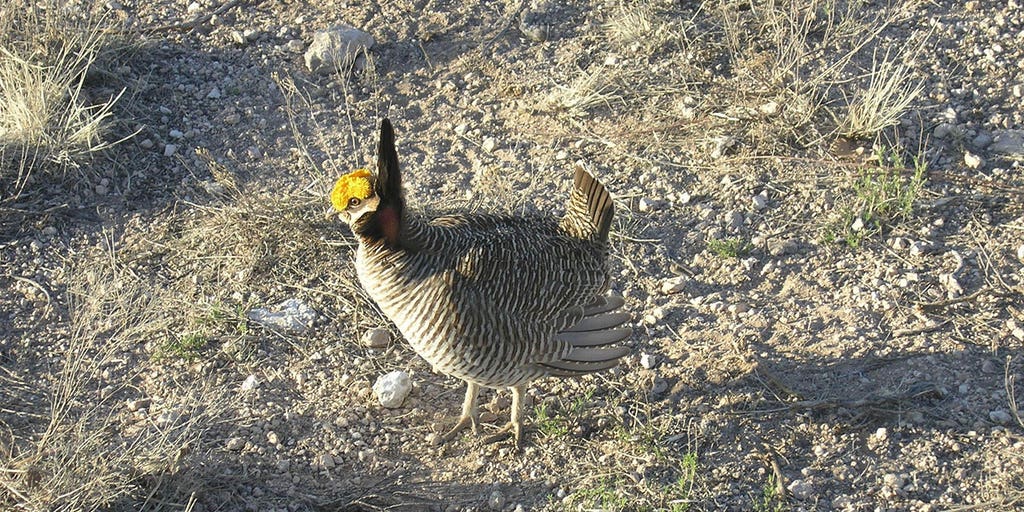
(729, 247)
(882, 196)
(769, 500)
(213, 321)
(681, 491)
(185, 347)
(600, 497)
(549, 424)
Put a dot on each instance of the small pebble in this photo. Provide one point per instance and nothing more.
(738, 308)
(170, 150)
(376, 338)
(250, 383)
(760, 201)
(146, 144)
(176, 134)
(496, 501)
(141, 403)
(648, 361)
(858, 224)
(673, 285)
(213, 94)
(235, 443)
(1000, 417)
(973, 161)
(646, 204)
(987, 366)
(489, 144)
(801, 489)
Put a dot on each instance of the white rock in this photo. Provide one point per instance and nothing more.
(250, 383)
(973, 161)
(646, 204)
(273, 438)
(176, 134)
(235, 443)
(858, 224)
(170, 149)
(953, 288)
(769, 109)
(376, 338)
(648, 361)
(461, 129)
(881, 434)
(213, 94)
(489, 144)
(336, 48)
(1020, 253)
(292, 316)
(673, 285)
(392, 388)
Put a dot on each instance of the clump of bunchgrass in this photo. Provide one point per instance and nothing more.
(48, 121)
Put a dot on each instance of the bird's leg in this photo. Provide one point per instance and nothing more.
(515, 424)
(517, 414)
(468, 417)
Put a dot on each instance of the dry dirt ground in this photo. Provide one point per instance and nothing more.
(821, 323)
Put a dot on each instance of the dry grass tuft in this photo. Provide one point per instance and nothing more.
(590, 89)
(47, 120)
(889, 94)
(73, 444)
(635, 26)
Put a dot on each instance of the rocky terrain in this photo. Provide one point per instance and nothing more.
(819, 231)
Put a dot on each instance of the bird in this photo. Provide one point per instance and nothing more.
(497, 301)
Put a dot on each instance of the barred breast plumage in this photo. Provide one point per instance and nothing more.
(496, 301)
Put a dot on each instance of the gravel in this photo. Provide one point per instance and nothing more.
(876, 374)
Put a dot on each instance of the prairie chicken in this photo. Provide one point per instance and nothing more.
(496, 301)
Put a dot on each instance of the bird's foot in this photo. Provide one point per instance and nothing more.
(511, 430)
(464, 421)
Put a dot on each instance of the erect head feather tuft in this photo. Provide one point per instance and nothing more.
(354, 184)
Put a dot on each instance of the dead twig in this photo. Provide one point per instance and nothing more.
(898, 333)
(921, 390)
(194, 22)
(1014, 498)
(1008, 382)
(780, 479)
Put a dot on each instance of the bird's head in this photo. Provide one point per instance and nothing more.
(371, 203)
(353, 196)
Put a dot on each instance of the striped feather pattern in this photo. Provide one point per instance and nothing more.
(484, 298)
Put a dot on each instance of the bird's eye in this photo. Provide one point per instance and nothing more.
(352, 203)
